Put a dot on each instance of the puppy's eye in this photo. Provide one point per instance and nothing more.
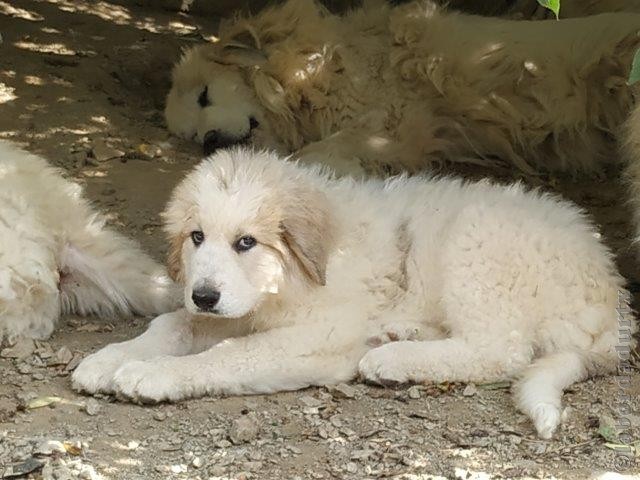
(245, 243)
(203, 98)
(197, 237)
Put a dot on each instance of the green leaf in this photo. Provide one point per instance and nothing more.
(608, 430)
(609, 433)
(634, 74)
(553, 5)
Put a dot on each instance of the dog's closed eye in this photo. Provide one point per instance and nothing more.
(203, 98)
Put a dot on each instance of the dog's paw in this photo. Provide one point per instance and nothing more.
(546, 418)
(150, 382)
(95, 373)
(384, 366)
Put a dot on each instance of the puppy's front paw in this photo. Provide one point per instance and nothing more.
(95, 373)
(151, 382)
(384, 366)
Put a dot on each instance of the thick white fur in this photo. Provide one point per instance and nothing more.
(412, 85)
(57, 256)
(479, 282)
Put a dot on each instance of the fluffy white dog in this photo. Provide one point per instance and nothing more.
(411, 86)
(56, 255)
(290, 276)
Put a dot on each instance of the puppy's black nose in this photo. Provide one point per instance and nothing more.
(205, 299)
(253, 123)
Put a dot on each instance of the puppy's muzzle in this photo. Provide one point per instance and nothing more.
(205, 299)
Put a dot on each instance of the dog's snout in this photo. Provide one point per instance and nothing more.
(211, 142)
(215, 139)
(205, 299)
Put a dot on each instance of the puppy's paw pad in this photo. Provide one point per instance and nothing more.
(546, 418)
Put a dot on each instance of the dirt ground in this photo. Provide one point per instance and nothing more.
(83, 84)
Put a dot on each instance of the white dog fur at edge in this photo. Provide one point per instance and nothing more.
(57, 256)
(290, 276)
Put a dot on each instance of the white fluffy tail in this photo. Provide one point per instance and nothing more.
(108, 274)
(538, 392)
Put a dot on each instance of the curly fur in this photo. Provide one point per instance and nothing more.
(413, 85)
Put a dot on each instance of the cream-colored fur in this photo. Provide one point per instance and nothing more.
(478, 282)
(57, 256)
(411, 86)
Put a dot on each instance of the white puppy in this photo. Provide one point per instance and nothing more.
(288, 274)
(56, 256)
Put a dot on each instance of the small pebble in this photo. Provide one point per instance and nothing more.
(92, 407)
(243, 429)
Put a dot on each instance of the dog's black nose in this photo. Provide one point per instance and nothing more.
(211, 142)
(215, 139)
(253, 123)
(205, 299)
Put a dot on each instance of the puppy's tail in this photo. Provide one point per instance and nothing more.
(538, 392)
(108, 274)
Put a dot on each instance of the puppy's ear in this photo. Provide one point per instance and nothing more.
(174, 258)
(308, 232)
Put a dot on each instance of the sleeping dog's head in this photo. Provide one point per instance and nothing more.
(212, 102)
(244, 227)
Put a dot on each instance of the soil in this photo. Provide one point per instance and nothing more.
(83, 84)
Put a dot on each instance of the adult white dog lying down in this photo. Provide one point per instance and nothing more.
(56, 255)
(289, 275)
(409, 86)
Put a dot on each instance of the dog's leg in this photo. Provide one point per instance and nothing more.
(538, 393)
(174, 334)
(104, 273)
(330, 153)
(169, 334)
(451, 359)
(29, 300)
(277, 360)
(352, 152)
